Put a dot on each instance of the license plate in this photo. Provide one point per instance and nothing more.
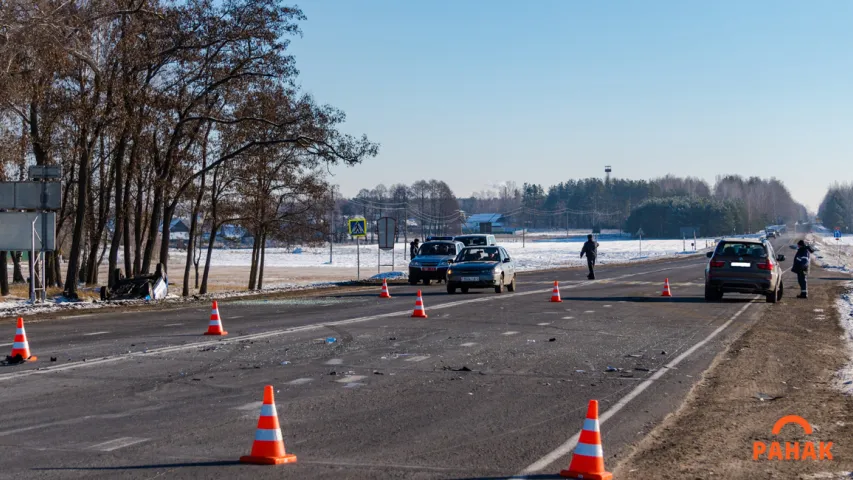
(428, 269)
(470, 279)
(741, 264)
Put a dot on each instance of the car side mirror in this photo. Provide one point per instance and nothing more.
(780, 258)
(709, 254)
(506, 260)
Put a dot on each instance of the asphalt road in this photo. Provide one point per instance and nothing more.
(145, 395)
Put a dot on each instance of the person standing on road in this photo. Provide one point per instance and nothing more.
(590, 249)
(802, 260)
(413, 249)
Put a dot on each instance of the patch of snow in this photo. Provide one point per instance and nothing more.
(391, 276)
(845, 317)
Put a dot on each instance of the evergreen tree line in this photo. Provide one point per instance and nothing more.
(836, 209)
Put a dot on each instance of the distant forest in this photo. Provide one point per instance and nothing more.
(659, 206)
(836, 209)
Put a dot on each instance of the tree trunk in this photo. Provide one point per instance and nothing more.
(263, 256)
(118, 229)
(213, 230)
(17, 274)
(153, 226)
(4, 275)
(253, 270)
(79, 220)
(57, 270)
(168, 214)
(137, 227)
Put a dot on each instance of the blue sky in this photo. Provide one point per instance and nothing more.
(477, 92)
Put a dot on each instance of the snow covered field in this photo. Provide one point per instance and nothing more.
(838, 255)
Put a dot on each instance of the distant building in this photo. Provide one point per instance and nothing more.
(475, 222)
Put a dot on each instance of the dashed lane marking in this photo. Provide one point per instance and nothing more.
(351, 379)
(250, 406)
(570, 444)
(543, 324)
(510, 333)
(173, 325)
(468, 344)
(117, 443)
(305, 328)
(335, 361)
(419, 358)
(94, 333)
(300, 381)
(589, 311)
(568, 318)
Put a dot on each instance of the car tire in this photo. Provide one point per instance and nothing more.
(772, 297)
(464, 289)
(451, 290)
(713, 295)
(781, 291)
(413, 281)
(500, 287)
(427, 281)
(511, 286)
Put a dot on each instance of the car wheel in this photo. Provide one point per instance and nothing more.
(772, 296)
(500, 287)
(427, 281)
(511, 286)
(464, 289)
(712, 295)
(451, 290)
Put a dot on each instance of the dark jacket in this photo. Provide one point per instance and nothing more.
(802, 259)
(413, 250)
(590, 249)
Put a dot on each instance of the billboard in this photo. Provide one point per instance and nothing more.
(30, 195)
(16, 231)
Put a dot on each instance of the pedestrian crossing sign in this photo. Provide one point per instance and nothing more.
(358, 227)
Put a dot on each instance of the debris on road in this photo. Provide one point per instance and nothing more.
(552, 339)
(285, 362)
(377, 372)
(462, 369)
(642, 369)
(331, 340)
(766, 398)
(612, 369)
(580, 371)
(633, 356)
(663, 352)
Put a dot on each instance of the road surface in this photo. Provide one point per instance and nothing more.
(145, 395)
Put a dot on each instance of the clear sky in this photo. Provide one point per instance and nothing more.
(477, 92)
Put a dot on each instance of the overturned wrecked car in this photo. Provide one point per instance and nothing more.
(141, 287)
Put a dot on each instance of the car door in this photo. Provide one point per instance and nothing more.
(508, 268)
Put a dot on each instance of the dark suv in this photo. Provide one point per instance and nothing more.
(744, 265)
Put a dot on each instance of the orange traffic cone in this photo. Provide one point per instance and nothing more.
(215, 325)
(555, 294)
(666, 291)
(268, 448)
(384, 293)
(420, 311)
(588, 459)
(20, 347)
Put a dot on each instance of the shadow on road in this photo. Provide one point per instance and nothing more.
(654, 299)
(550, 476)
(144, 467)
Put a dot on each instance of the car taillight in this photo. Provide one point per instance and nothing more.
(718, 264)
(765, 266)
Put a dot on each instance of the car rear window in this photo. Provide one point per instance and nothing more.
(473, 241)
(437, 249)
(489, 254)
(753, 250)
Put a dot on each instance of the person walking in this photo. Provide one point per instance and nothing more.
(590, 249)
(413, 249)
(802, 260)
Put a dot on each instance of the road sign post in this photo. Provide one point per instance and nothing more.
(387, 229)
(358, 229)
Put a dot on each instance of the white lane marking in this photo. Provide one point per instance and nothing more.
(304, 328)
(608, 306)
(6, 344)
(94, 333)
(589, 311)
(570, 444)
(351, 379)
(568, 318)
(335, 361)
(117, 443)
(79, 316)
(300, 381)
(510, 333)
(419, 358)
(543, 324)
(250, 406)
(173, 325)
(467, 344)
(232, 317)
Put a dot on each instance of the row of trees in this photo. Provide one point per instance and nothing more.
(664, 217)
(157, 109)
(836, 209)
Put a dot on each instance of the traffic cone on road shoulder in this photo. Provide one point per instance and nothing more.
(21, 347)
(666, 291)
(268, 447)
(385, 293)
(215, 325)
(555, 294)
(588, 460)
(420, 311)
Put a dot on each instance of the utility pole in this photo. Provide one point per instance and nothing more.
(332, 226)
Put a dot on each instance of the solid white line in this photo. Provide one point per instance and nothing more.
(250, 406)
(6, 344)
(94, 333)
(173, 325)
(510, 333)
(117, 443)
(467, 344)
(303, 328)
(419, 358)
(569, 445)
